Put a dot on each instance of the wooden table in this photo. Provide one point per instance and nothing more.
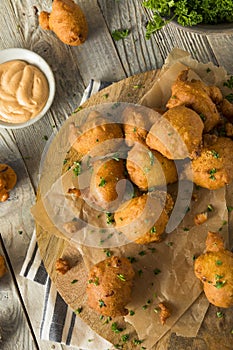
(99, 58)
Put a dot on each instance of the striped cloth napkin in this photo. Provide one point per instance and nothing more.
(59, 323)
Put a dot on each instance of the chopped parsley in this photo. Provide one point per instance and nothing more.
(137, 341)
(121, 277)
(219, 284)
(77, 169)
(215, 154)
(229, 82)
(142, 252)
(212, 172)
(153, 229)
(115, 328)
(110, 218)
(229, 97)
(74, 281)
(132, 259)
(219, 314)
(119, 34)
(156, 271)
(107, 252)
(210, 207)
(218, 262)
(102, 182)
(229, 208)
(101, 303)
(131, 313)
(125, 337)
(79, 310)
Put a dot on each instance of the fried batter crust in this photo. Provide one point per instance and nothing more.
(148, 168)
(213, 169)
(109, 286)
(198, 96)
(178, 135)
(104, 180)
(143, 219)
(67, 21)
(215, 270)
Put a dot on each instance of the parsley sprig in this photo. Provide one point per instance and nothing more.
(187, 13)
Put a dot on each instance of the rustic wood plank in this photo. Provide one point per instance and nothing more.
(12, 318)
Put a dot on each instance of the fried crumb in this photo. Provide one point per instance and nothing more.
(165, 312)
(200, 218)
(62, 266)
(194, 197)
(75, 191)
(3, 268)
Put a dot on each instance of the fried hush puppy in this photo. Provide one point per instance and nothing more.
(8, 180)
(109, 286)
(197, 96)
(137, 121)
(215, 270)
(3, 268)
(178, 134)
(148, 168)
(213, 169)
(143, 219)
(97, 135)
(105, 177)
(67, 21)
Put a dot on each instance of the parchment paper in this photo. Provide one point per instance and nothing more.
(175, 284)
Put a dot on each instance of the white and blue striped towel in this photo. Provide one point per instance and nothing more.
(59, 323)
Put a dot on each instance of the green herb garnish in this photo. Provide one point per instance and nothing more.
(218, 262)
(74, 281)
(115, 328)
(229, 97)
(102, 182)
(229, 82)
(121, 277)
(219, 314)
(125, 337)
(212, 172)
(79, 310)
(119, 34)
(187, 13)
(219, 284)
(156, 271)
(101, 303)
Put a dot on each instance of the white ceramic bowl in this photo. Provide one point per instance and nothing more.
(32, 58)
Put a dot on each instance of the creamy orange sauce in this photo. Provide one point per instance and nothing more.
(24, 91)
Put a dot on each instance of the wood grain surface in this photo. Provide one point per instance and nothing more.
(99, 58)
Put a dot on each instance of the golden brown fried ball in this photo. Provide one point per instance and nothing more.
(178, 134)
(104, 180)
(97, 135)
(213, 169)
(109, 286)
(143, 219)
(8, 180)
(137, 121)
(227, 109)
(148, 168)
(197, 96)
(215, 269)
(67, 21)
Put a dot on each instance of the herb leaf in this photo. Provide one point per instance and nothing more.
(119, 34)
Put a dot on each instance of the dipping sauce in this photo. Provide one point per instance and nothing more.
(24, 91)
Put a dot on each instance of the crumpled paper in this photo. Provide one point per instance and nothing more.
(164, 271)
